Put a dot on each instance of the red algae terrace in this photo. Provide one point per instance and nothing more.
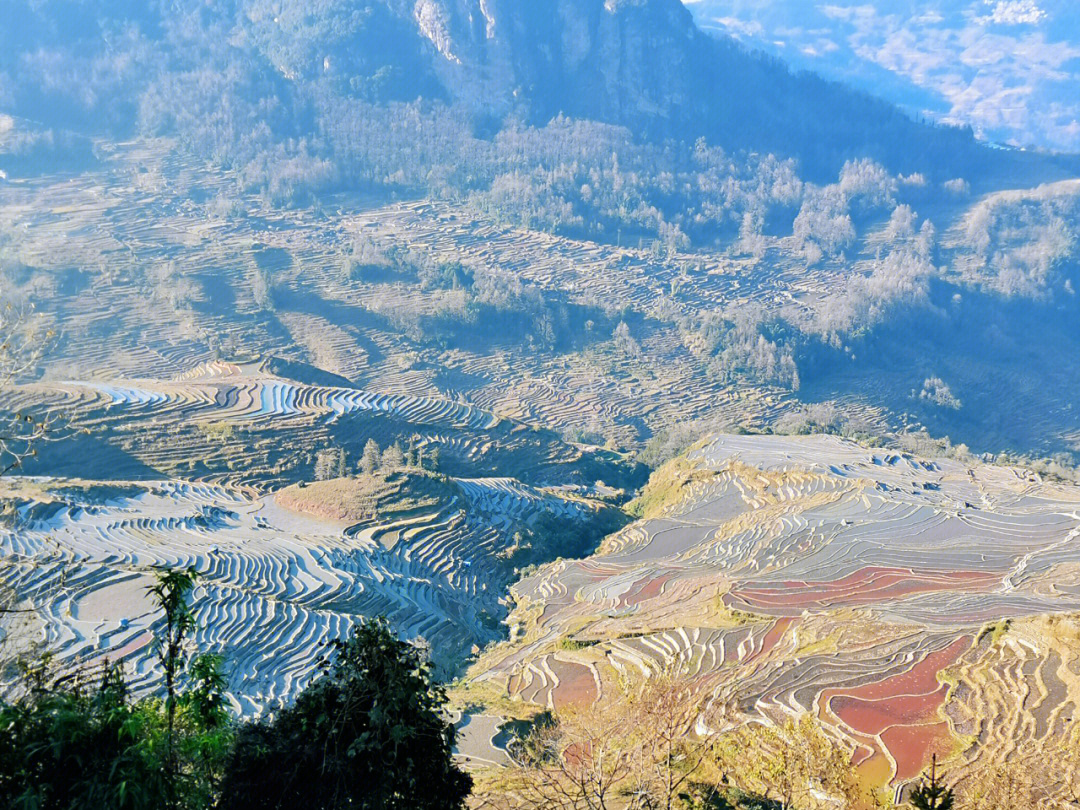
(864, 587)
(900, 712)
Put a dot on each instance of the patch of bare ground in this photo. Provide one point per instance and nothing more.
(368, 497)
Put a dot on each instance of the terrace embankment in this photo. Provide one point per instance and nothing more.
(810, 574)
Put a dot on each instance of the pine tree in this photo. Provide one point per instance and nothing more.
(369, 463)
(411, 457)
(932, 795)
(171, 594)
(393, 457)
(319, 472)
(329, 464)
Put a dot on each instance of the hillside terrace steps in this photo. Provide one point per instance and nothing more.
(270, 397)
(107, 225)
(269, 581)
(849, 591)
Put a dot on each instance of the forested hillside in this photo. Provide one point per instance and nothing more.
(252, 83)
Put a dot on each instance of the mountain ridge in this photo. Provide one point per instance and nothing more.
(641, 64)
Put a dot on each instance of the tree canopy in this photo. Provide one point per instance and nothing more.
(368, 733)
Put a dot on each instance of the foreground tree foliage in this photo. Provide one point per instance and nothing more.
(80, 745)
(368, 733)
(79, 740)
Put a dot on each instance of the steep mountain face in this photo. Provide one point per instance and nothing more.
(624, 61)
(644, 64)
(637, 63)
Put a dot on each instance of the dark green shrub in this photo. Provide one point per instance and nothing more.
(368, 733)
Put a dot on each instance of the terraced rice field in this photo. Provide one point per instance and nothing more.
(274, 583)
(143, 282)
(232, 396)
(789, 574)
(810, 574)
(243, 425)
(151, 264)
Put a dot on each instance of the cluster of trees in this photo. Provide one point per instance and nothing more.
(818, 417)
(464, 306)
(570, 176)
(333, 463)
(936, 390)
(745, 341)
(900, 276)
(28, 151)
(587, 179)
(594, 180)
(394, 458)
(1026, 243)
(369, 732)
(330, 464)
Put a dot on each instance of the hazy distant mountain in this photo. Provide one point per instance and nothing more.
(1008, 68)
(640, 63)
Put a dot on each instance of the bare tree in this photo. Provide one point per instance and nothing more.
(23, 343)
(676, 742)
(794, 763)
(577, 760)
(637, 748)
(1031, 776)
(582, 758)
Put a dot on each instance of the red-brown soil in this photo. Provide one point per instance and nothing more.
(865, 586)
